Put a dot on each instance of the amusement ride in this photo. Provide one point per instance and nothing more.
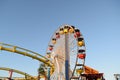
(64, 59)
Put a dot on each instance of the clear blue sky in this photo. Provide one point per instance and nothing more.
(31, 23)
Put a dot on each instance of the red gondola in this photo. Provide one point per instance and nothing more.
(77, 33)
(50, 47)
(81, 56)
(57, 35)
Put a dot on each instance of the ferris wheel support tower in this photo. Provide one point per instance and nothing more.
(66, 57)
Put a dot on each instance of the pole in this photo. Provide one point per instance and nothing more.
(48, 75)
(25, 76)
(66, 57)
(10, 73)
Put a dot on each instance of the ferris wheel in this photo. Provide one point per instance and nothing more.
(66, 50)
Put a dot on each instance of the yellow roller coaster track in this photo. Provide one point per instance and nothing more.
(17, 71)
(25, 52)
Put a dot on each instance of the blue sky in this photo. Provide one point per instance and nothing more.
(31, 23)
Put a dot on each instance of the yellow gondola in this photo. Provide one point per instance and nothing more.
(79, 71)
(54, 41)
(66, 29)
(71, 29)
(61, 31)
(48, 55)
(80, 43)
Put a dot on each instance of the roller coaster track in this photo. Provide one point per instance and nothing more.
(17, 71)
(25, 52)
